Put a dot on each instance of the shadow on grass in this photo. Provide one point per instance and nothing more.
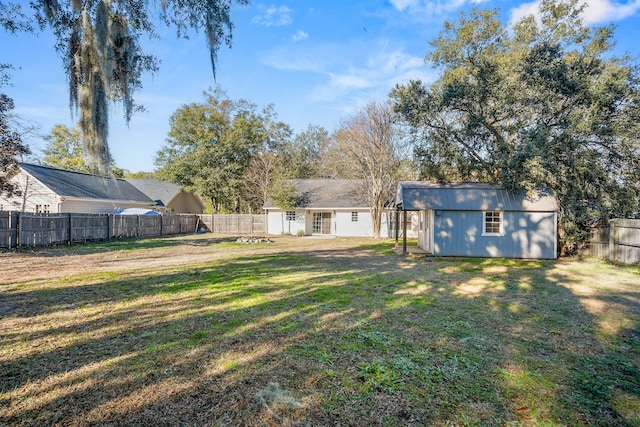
(357, 336)
(125, 244)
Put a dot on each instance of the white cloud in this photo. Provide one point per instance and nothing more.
(347, 75)
(604, 10)
(373, 78)
(299, 35)
(274, 16)
(401, 5)
(597, 11)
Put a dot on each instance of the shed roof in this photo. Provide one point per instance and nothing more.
(418, 195)
(85, 186)
(327, 194)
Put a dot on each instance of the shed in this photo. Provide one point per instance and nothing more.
(481, 220)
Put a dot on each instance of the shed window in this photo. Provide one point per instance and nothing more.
(354, 216)
(291, 216)
(493, 222)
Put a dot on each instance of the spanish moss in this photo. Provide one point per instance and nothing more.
(98, 41)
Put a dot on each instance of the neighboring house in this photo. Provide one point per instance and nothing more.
(481, 220)
(170, 198)
(49, 190)
(335, 207)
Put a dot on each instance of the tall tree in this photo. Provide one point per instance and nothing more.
(368, 146)
(11, 147)
(99, 43)
(544, 106)
(304, 153)
(210, 146)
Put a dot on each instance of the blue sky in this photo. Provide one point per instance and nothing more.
(316, 61)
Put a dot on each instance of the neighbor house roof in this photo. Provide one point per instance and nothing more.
(160, 192)
(85, 186)
(417, 195)
(327, 194)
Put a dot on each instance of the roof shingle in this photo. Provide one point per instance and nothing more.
(85, 186)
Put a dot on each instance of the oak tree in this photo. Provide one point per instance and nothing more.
(544, 105)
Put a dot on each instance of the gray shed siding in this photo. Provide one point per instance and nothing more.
(526, 235)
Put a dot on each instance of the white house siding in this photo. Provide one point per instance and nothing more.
(33, 193)
(73, 205)
(344, 226)
(276, 220)
(526, 235)
(341, 223)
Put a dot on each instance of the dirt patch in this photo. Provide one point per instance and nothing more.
(143, 256)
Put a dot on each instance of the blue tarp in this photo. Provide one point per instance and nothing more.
(138, 211)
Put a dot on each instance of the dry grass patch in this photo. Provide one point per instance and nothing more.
(202, 331)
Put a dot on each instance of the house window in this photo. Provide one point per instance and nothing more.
(354, 216)
(492, 223)
(291, 216)
(43, 209)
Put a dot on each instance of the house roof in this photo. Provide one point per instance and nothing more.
(85, 186)
(327, 194)
(418, 195)
(160, 192)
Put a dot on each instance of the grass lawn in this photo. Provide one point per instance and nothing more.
(313, 332)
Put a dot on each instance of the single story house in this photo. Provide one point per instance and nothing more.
(49, 190)
(170, 198)
(481, 220)
(335, 207)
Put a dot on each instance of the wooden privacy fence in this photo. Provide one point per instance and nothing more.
(619, 241)
(25, 229)
(235, 223)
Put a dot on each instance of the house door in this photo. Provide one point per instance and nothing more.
(322, 223)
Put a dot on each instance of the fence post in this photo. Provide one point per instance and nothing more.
(612, 242)
(70, 240)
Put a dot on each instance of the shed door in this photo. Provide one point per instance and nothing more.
(424, 230)
(322, 223)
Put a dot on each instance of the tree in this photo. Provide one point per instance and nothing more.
(64, 149)
(368, 146)
(304, 153)
(11, 147)
(210, 147)
(99, 43)
(544, 106)
(264, 169)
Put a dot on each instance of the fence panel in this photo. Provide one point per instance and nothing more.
(149, 225)
(235, 223)
(259, 224)
(8, 229)
(626, 241)
(123, 226)
(171, 224)
(188, 223)
(619, 241)
(43, 229)
(598, 243)
(86, 227)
